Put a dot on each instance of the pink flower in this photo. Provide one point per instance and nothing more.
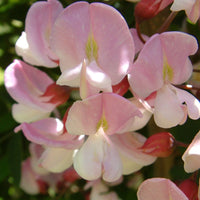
(94, 47)
(102, 117)
(155, 72)
(26, 85)
(159, 188)
(191, 7)
(34, 43)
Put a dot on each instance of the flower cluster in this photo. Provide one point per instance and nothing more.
(100, 60)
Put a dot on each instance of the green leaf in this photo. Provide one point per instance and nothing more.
(4, 169)
(15, 157)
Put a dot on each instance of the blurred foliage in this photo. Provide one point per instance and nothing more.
(13, 147)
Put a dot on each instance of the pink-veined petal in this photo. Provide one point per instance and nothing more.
(39, 21)
(146, 74)
(128, 145)
(159, 188)
(26, 84)
(191, 157)
(177, 46)
(49, 132)
(88, 160)
(56, 159)
(168, 109)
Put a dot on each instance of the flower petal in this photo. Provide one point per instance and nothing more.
(26, 84)
(193, 104)
(159, 188)
(115, 44)
(146, 74)
(49, 132)
(168, 109)
(39, 21)
(56, 159)
(88, 160)
(191, 157)
(178, 59)
(128, 145)
(22, 113)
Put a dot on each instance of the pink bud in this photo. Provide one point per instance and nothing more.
(190, 188)
(159, 145)
(147, 9)
(122, 87)
(70, 175)
(43, 186)
(59, 94)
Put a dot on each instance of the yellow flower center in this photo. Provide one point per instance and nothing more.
(102, 123)
(167, 71)
(91, 49)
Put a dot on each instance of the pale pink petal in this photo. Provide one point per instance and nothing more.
(101, 191)
(70, 34)
(115, 44)
(91, 32)
(182, 5)
(56, 159)
(70, 76)
(119, 113)
(49, 132)
(159, 188)
(110, 110)
(194, 13)
(39, 21)
(137, 41)
(93, 80)
(28, 179)
(191, 8)
(36, 151)
(168, 108)
(140, 122)
(88, 160)
(84, 116)
(22, 113)
(193, 104)
(128, 145)
(178, 59)
(26, 84)
(22, 48)
(146, 74)
(112, 166)
(191, 157)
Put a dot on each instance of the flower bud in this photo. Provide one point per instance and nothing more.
(70, 175)
(159, 145)
(190, 188)
(58, 94)
(43, 186)
(147, 9)
(122, 87)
